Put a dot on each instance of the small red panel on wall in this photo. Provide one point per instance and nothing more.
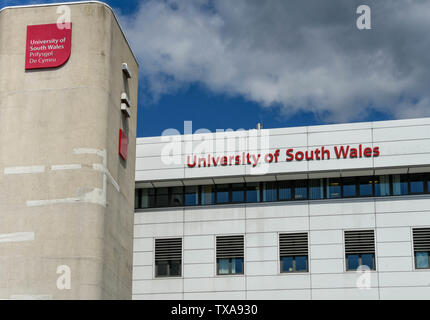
(123, 143)
(48, 46)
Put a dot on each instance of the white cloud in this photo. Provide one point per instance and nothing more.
(301, 55)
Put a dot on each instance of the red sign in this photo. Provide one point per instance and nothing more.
(47, 46)
(123, 143)
(320, 153)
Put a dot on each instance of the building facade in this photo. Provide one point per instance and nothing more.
(320, 212)
(68, 104)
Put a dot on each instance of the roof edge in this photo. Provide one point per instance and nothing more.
(78, 2)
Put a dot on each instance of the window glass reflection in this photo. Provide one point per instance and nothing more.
(417, 183)
(208, 195)
(382, 186)
(252, 192)
(349, 187)
(400, 184)
(238, 192)
(284, 190)
(236, 265)
(223, 266)
(316, 189)
(287, 264)
(161, 269)
(222, 191)
(366, 186)
(191, 195)
(301, 263)
(270, 191)
(162, 195)
(175, 268)
(300, 190)
(367, 260)
(333, 188)
(176, 196)
(352, 261)
(147, 198)
(422, 260)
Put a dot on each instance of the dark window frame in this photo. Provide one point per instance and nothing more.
(169, 268)
(356, 187)
(176, 241)
(292, 185)
(421, 243)
(360, 259)
(359, 248)
(294, 264)
(230, 267)
(415, 260)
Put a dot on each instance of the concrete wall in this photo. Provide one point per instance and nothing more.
(66, 197)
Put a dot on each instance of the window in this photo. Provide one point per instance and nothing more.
(176, 196)
(293, 252)
(222, 193)
(229, 254)
(162, 197)
(270, 191)
(285, 190)
(360, 249)
(253, 192)
(365, 186)
(168, 257)
(137, 197)
(147, 199)
(421, 247)
(349, 187)
(316, 189)
(238, 192)
(313, 189)
(333, 188)
(300, 190)
(191, 196)
(208, 195)
(382, 186)
(400, 184)
(417, 183)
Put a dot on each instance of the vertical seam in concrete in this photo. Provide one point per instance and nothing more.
(309, 225)
(376, 220)
(245, 246)
(183, 251)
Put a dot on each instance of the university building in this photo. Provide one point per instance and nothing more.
(87, 211)
(334, 212)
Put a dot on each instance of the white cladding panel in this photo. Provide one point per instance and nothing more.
(261, 225)
(403, 145)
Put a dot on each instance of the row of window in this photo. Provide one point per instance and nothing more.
(293, 252)
(310, 189)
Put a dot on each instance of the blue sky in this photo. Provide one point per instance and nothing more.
(281, 63)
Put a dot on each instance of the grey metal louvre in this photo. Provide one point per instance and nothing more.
(421, 239)
(293, 244)
(168, 249)
(229, 247)
(359, 241)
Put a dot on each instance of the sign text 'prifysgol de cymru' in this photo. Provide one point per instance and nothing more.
(48, 46)
(291, 154)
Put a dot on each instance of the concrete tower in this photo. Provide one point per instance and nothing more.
(68, 107)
